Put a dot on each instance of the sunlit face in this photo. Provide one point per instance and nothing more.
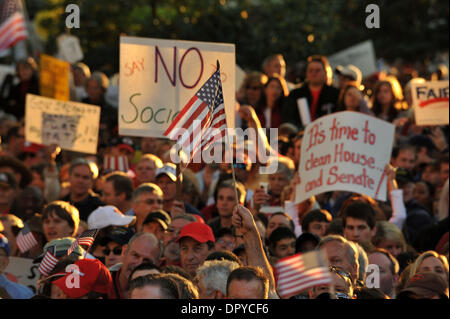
(337, 256)
(277, 66)
(226, 200)
(224, 243)
(277, 182)
(141, 250)
(318, 228)
(145, 171)
(146, 203)
(351, 99)
(315, 73)
(433, 264)
(388, 280)
(154, 228)
(358, 230)
(56, 227)
(109, 196)
(395, 248)
(405, 159)
(192, 254)
(172, 248)
(284, 248)
(113, 254)
(81, 180)
(168, 187)
(275, 222)
(384, 95)
(340, 285)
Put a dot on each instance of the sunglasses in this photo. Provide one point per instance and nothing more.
(116, 251)
(152, 201)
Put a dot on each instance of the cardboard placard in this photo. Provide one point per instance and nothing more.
(54, 78)
(70, 125)
(25, 271)
(158, 77)
(361, 55)
(430, 101)
(345, 151)
(69, 48)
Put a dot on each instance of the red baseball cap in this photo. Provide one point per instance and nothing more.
(198, 231)
(94, 276)
(29, 147)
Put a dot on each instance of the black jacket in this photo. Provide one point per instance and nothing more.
(326, 104)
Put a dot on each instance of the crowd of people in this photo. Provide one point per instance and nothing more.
(215, 238)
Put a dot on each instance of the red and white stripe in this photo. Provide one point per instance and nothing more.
(25, 242)
(12, 31)
(47, 264)
(293, 276)
(116, 163)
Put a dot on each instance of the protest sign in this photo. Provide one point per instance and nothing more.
(158, 77)
(430, 101)
(25, 271)
(71, 125)
(361, 55)
(54, 78)
(69, 48)
(345, 151)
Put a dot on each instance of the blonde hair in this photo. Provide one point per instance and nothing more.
(425, 255)
(389, 231)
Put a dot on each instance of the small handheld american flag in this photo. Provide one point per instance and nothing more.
(85, 239)
(25, 239)
(202, 119)
(12, 24)
(301, 271)
(49, 261)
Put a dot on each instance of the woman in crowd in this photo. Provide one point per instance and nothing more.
(60, 219)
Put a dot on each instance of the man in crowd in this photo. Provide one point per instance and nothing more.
(118, 191)
(322, 98)
(212, 278)
(142, 247)
(247, 282)
(82, 174)
(359, 222)
(146, 168)
(388, 270)
(404, 156)
(317, 222)
(196, 243)
(148, 197)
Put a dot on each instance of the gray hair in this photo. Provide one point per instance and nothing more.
(100, 78)
(352, 250)
(188, 217)
(148, 235)
(82, 161)
(363, 263)
(147, 188)
(214, 274)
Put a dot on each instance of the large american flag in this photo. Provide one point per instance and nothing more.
(25, 240)
(207, 109)
(12, 24)
(301, 271)
(85, 239)
(49, 262)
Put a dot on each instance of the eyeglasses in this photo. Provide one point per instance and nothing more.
(340, 272)
(116, 251)
(152, 201)
(226, 243)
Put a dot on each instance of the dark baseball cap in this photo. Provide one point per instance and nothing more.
(159, 216)
(426, 285)
(120, 235)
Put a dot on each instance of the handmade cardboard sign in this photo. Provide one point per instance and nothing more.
(345, 151)
(54, 78)
(430, 101)
(70, 125)
(25, 271)
(158, 77)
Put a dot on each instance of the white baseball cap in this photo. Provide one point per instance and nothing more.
(105, 216)
(350, 71)
(170, 170)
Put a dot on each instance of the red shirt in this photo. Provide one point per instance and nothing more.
(315, 100)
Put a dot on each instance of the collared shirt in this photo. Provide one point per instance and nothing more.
(16, 291)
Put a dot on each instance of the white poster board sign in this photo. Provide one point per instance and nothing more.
(345, 151)
(361, 55)
(25, 271)
(430, 100)
(69, 48)
(71, 125)
(158, 77)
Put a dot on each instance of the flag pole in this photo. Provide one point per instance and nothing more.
(232, 164)
(87, 250)
(178, 172)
